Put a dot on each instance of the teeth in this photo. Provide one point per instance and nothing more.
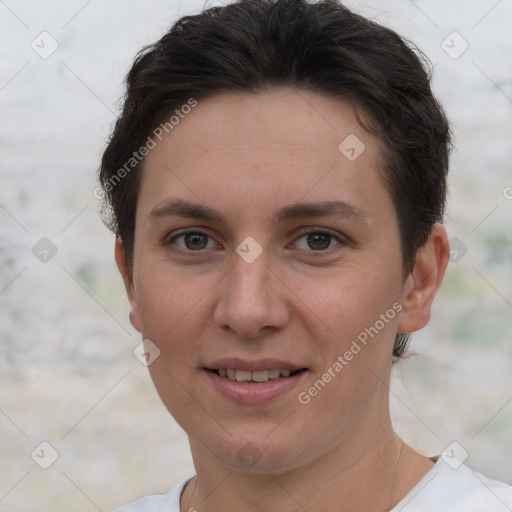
(259, 376)
(242, 376)
(274, 373)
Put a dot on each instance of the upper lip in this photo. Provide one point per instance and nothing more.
(251, 366)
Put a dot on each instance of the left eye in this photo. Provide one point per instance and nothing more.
(318, 240)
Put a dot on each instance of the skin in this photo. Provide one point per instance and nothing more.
(247, 155)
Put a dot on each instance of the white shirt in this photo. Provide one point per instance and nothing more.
(442, 489)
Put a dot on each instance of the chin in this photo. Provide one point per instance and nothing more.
(256, 454)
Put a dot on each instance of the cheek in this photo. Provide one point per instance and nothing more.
(350, 300)
(355, 323)
(356, 351)
(172, 314)
(169, 301)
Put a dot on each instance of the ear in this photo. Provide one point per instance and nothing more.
(423, 282)
(127, 276)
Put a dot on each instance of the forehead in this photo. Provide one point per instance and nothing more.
(270, 122)
(278, 146)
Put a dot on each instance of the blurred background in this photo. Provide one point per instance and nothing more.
(68, 376)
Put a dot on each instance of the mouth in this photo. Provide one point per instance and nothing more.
(254, 382)
(259, 376)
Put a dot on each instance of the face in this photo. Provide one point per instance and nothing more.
(262, 250)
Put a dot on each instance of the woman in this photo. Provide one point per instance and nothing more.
(277, 179)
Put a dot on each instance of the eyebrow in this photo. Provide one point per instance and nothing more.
(181, 208)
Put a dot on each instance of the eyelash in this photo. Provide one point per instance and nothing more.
(322, 231)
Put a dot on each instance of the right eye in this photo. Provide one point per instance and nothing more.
(191, 241)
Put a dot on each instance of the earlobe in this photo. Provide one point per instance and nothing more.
(423, 282)
(127, 276)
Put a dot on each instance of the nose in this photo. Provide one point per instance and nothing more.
(252, 300)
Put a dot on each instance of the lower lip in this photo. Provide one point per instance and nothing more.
(254, 392)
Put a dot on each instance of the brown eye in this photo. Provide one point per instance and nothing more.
(191, 241)
(319, 240)
(195, 241)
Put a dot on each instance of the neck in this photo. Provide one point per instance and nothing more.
(371, 469)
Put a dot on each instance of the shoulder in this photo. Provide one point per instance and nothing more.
(169, 502)
(456, 488)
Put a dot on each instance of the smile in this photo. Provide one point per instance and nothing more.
(252, 383)
(256, 376)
